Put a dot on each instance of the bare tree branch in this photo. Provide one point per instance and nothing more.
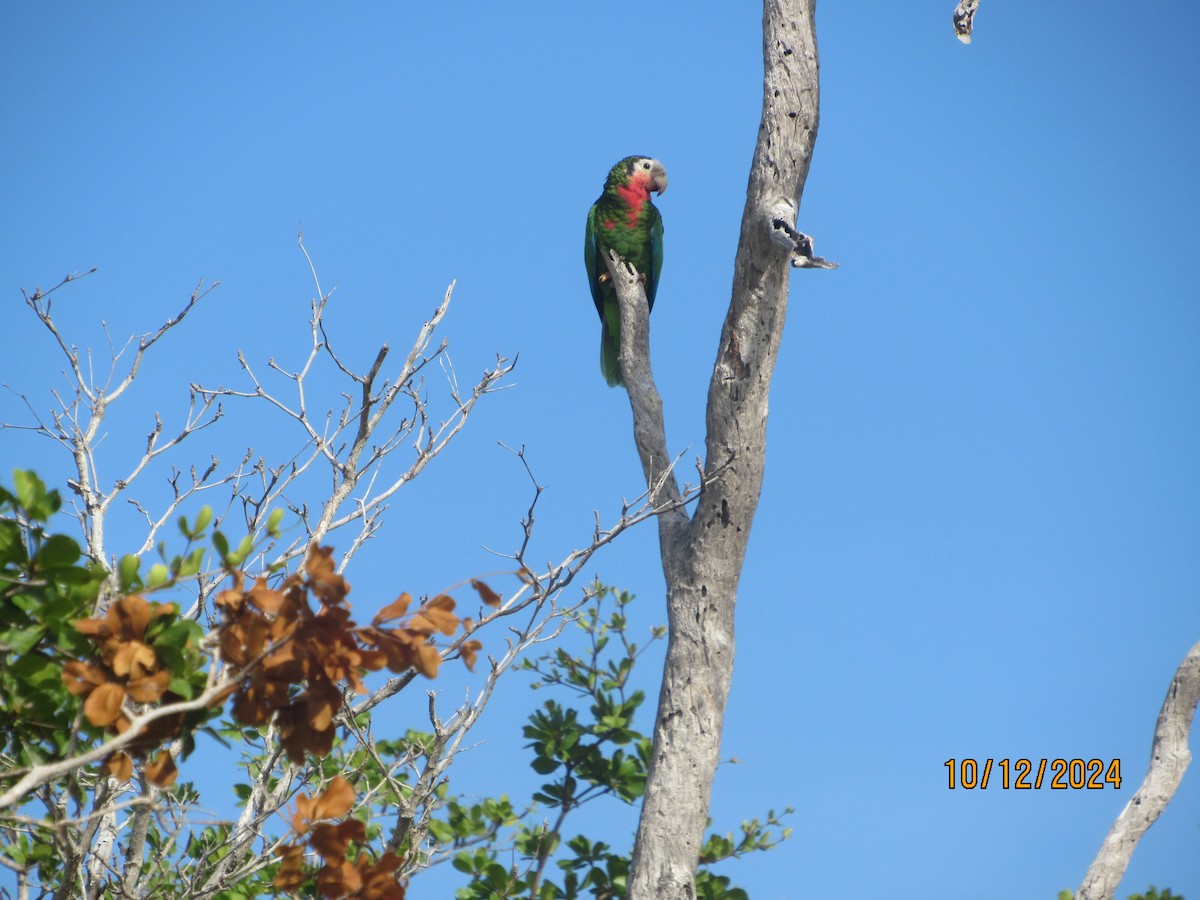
(1169, 759)
(76, 424)
(353, 446)
(349, 445)
(38, 775)
(648, 428)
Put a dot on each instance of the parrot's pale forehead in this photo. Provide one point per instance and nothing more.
(633, 163)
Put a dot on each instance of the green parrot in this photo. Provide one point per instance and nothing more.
(624, 220)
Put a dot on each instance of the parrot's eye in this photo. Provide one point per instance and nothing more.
(645, 165)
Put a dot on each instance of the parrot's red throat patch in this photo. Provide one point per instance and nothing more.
(635, 194)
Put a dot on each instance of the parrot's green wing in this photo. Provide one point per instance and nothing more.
(656, 258)
(591, 256)
(610, 315)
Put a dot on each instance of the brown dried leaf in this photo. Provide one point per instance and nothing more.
(248, 708)
(389, 862)
(280, 628)
(230, 600)
(372, 661)
(486, 594)
(291, 868)
(283, 664)
(321, 702)
(91, 627)
(149, 689)
(233, 645)
(427, 660)
(468, 651)
(265, 598)
(335, 800)
(379, 882)
(395, 644)
(329, 587)
(393, 610)
(81, 678)
(129, 616)
(441, 601)
(299, 739)
(434, 620)
(303, 814)
(133, 659)
(332, 841)
(339, 881)
(316, 743)
(381, 887)
(103, 704)
(119, 766)
(162, 772)
(400, 657)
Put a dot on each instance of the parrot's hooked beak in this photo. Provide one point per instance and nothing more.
(659, 175)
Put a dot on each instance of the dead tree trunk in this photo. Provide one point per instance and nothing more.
(702, 555)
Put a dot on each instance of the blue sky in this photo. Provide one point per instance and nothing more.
(979, 526)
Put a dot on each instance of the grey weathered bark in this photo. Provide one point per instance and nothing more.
(1169, 758)
(702, 555)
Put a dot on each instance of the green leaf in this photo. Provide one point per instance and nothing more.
(191, 564)
(57, 552)
(16, 853)
(127, 573)
(273, 521)
(196, 529)
(12, 545)
(158, 576)
(38, 503)
(469, 862)
(37, 671)
(174, 643)
(203, 519)
(238, 556)
(22, 640)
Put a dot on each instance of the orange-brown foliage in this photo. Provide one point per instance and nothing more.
(339, 876)
(293, 664)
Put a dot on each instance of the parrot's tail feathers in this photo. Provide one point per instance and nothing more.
(610, 366)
